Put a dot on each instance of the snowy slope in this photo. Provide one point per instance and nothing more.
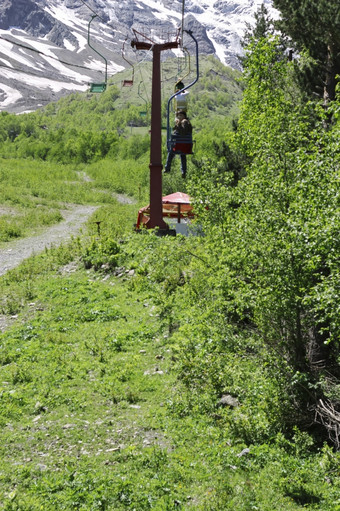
(44, 51)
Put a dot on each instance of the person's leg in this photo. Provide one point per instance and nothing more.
(183, 164)
(169, 159)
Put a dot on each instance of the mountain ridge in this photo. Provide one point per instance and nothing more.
(44, 52)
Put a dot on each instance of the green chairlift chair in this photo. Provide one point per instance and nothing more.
(101, 86)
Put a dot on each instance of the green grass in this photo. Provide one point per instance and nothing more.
(33, 194)
(128, 176)
(86, 382)
(93, 414)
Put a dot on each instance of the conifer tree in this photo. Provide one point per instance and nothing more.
(315, 25)
(263, 27)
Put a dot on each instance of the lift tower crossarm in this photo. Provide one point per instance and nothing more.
(143, 45)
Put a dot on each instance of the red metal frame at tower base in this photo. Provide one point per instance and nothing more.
(156, 216)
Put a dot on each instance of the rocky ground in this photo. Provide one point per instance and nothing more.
(15, 252)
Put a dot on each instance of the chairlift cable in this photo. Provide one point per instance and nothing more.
(21, 71)
(139, 65)
(128, 82)
(39, 52)
(94, 12)
(44, 54)
(183, 7)
(144, 86)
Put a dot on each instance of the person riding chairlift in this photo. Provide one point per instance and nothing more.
(182, 128)
(181, 99)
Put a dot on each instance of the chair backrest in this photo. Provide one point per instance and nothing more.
(97, 87)
(181, 144)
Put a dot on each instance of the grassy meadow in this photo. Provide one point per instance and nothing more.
(34, 193)
(96, 412)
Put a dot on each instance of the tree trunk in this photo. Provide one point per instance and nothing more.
(330, 82)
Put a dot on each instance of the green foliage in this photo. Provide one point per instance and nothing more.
(76, 129)
(33, 194)
(101, 253)
(263, 28)
(293, 171)
(84, 128)
(88, 381)
(127, 176)
(321, 38)
(316, 36)
(272, 238)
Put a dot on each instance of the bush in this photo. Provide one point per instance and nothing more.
(101, 254)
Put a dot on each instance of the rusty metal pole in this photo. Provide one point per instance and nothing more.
(156, 210)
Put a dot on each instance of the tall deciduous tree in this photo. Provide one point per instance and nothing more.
(276, 254)
(289, 224)
(315, 25)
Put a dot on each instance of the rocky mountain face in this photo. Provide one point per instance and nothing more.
(44, 51)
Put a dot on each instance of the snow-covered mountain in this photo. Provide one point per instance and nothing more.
(44, 50)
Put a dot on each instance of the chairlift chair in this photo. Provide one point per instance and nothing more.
(177, 143)
(101, 86)
(97, 87)
(142, 113)
(180, 144)
(127, 82)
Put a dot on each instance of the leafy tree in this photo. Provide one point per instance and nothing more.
(285, 228)
(274, 253)
(315, 25)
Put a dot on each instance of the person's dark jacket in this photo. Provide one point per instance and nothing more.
(183, 128)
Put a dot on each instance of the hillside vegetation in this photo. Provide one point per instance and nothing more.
(83, 128)
(144, 372)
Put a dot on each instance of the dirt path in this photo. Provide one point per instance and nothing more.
(15, 252)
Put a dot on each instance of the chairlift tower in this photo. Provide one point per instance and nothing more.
(143, 42)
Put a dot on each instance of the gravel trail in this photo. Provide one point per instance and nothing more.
(15, 252)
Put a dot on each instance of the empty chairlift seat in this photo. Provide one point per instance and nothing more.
(97, 87)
